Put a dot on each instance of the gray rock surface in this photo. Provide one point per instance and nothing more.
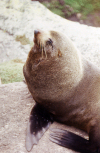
(11, 49)
(15, 106)
(18, 17)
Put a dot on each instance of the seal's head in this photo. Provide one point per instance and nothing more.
(46, 44)
(53, 68)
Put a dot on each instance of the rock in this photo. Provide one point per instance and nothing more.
(11, 49)
(81, 21)
(15, 106)
(78, 15)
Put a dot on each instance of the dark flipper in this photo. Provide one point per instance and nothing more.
(70, 140)
(39, 122)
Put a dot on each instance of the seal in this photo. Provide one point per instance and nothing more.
(66, 88)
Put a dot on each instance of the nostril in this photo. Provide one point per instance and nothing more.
(36, 32)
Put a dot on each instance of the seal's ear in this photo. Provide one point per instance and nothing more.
(39, 122)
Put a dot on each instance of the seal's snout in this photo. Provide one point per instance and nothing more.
(36, 32)
(36, 36)
(42, 42)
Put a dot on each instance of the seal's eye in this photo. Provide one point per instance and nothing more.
(49, 42)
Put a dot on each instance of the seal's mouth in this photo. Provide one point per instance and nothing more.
(42, 43)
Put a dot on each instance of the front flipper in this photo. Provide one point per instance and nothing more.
(39, 122)
(70, 140)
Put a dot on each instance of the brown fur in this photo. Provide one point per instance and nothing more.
(65, 83)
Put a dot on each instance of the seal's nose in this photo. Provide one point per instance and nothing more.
(36, 32)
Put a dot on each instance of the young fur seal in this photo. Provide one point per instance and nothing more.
(66, 88)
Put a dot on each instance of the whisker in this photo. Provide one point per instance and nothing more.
(45, 53)
(42, 51)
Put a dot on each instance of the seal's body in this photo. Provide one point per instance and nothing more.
(65, 84)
